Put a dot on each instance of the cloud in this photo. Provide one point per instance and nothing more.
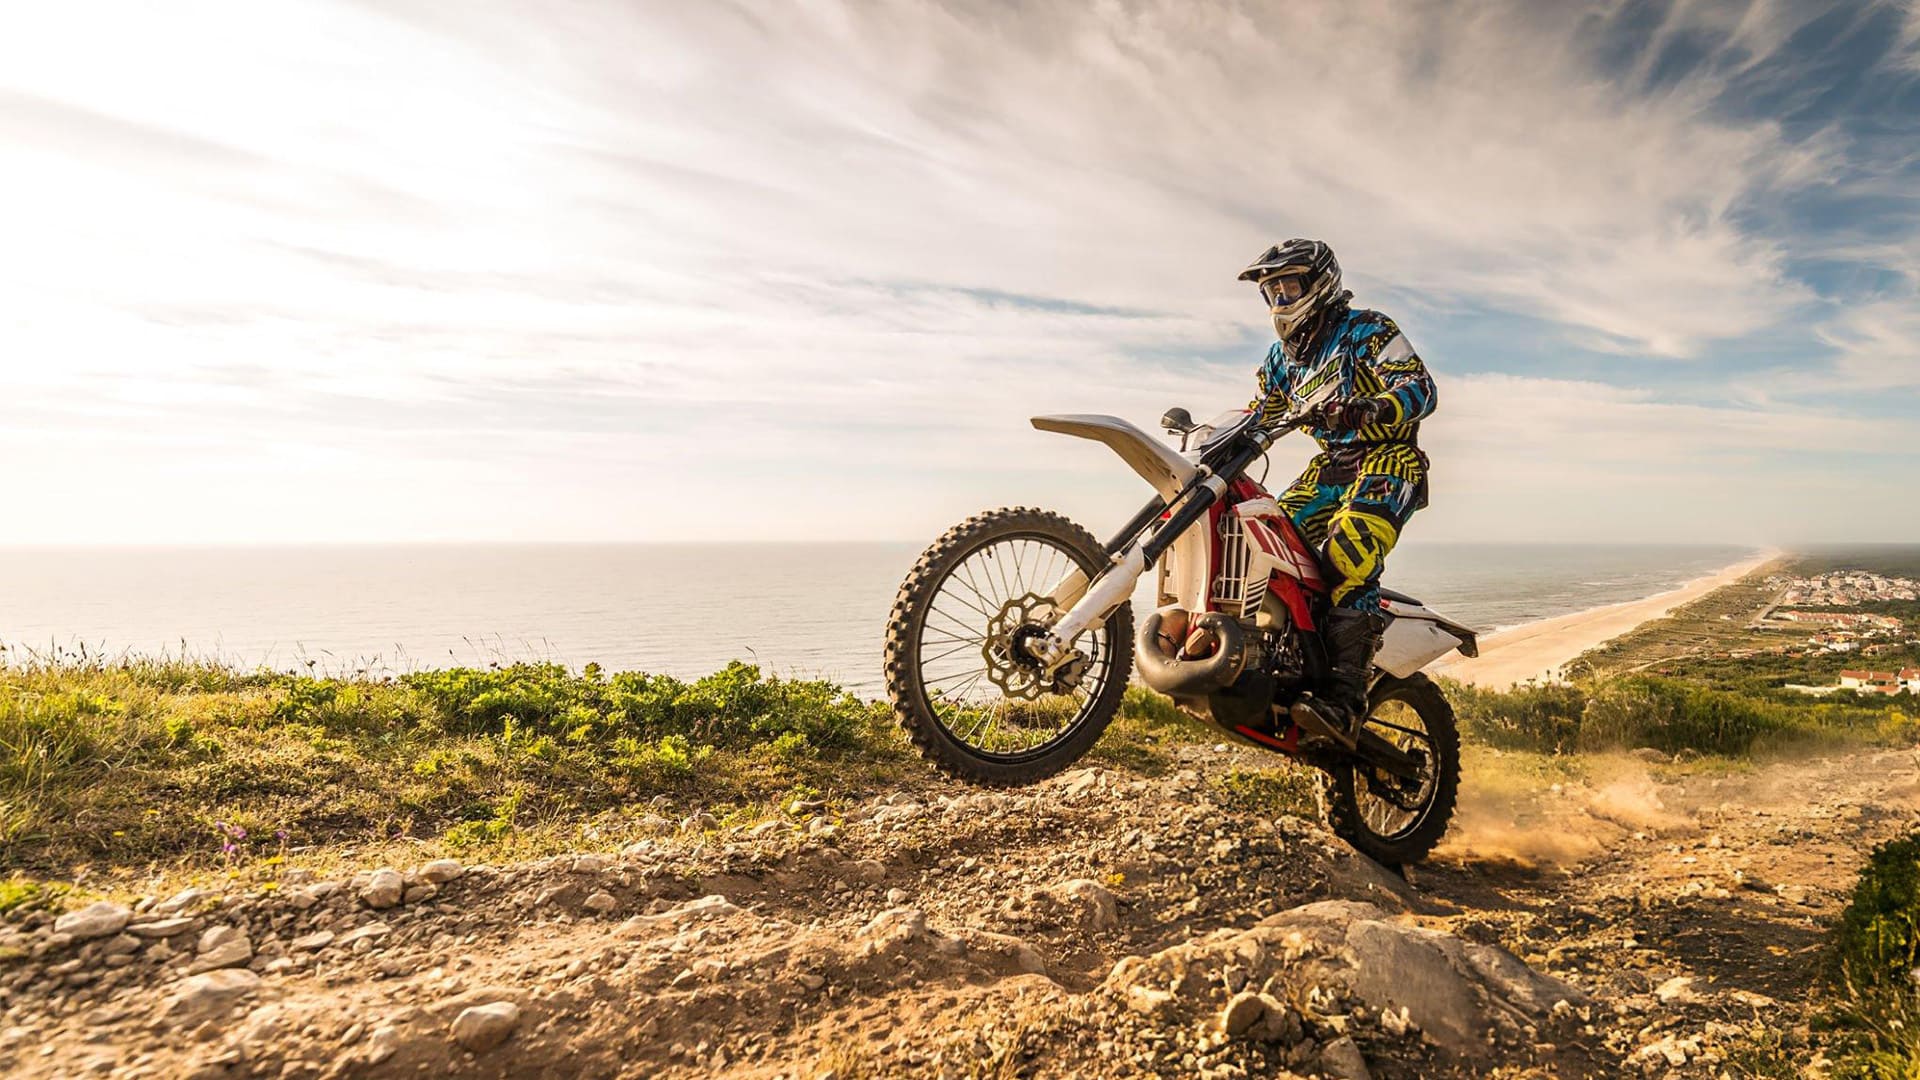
(854, 246)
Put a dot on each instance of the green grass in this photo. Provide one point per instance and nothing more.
(119, 764)
(1670, 715)
(121, 767)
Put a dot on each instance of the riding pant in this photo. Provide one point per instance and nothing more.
(1352, 503)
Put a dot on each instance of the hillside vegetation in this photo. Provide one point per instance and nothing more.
(134, 762)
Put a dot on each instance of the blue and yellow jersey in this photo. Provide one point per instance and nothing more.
(1363, 355)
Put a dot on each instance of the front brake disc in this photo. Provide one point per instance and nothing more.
(1009, 666)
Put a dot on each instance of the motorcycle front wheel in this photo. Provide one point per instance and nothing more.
(1395, 820)
(968, 696)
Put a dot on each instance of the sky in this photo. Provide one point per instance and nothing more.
(323, 270)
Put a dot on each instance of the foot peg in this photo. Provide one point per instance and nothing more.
(1305, 714)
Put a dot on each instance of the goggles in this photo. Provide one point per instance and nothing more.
(1284, 288)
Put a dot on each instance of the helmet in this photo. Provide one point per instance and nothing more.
(1297, 279)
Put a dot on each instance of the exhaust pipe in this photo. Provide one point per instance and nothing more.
(1176, 675)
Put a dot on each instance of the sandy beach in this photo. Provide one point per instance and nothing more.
(1537, 650)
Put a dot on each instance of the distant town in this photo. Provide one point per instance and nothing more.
(1866, 633)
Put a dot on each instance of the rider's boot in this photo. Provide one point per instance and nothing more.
(1341, 702)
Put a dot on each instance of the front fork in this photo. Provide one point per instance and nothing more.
(1087, 605)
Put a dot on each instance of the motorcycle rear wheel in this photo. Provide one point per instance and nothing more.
(1378, 814)
(964, 600)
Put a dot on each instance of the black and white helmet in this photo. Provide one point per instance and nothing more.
(1297, 279)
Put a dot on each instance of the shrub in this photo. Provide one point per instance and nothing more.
(1878, 940)
(1542, 717)
(1876, 1020)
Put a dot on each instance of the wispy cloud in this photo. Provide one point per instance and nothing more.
(853, 245)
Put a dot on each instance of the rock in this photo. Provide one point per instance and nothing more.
(1080, 781)
(163, 928)
(424, 891)
(1649, 755)
(590, 863)
(1342, 1058)
(120, 945)
(867, 871)
(179, 902)
(480, 1028)
(384, 889)
(1241, 1013)
(94, 920)
(711, 907)
(601, 903)
(440, 871)
(893, 930)
(1453, 990)
(1093, 902)
(384, 1042)
(211, 993)
(221, 947)
(1677, 989)
(1261, 1017)
(898, 814)
(897, 897)
(360, 933)
(313, 942)
(1002, 952)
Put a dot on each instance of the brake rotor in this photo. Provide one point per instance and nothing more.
(1014, 670)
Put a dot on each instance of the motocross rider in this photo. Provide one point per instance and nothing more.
(1363, 392)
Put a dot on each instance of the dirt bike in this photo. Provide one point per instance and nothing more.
(1011, 640)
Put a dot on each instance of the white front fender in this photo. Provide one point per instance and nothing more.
(1155, 461)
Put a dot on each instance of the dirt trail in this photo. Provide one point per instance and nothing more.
(1696, 907)
(1098, 924)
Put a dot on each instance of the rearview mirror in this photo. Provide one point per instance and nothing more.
(1178, 420)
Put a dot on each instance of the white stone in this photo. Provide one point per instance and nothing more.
(384, 889)
(221, 947)
(313, 942)
(483, 1027)
(441, 871)
(211, 993)
(361, 933)
(383, 1043)
(180, 901)
(94, 920)
(163, 928)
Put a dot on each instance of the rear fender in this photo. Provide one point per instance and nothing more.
(1418, 636)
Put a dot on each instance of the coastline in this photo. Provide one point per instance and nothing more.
(1538, 650)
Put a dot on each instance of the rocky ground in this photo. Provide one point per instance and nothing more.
(1100, 924)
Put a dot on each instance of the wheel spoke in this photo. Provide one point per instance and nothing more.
(990, 591)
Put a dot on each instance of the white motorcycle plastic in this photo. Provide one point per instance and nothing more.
(1012, 638)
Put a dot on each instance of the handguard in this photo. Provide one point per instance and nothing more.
(1175, 675)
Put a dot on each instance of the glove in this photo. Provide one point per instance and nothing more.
(1351, 414)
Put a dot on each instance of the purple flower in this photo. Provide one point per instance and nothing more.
(280, 835)
(228, 848)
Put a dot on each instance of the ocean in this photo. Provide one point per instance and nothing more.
(815, 610)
